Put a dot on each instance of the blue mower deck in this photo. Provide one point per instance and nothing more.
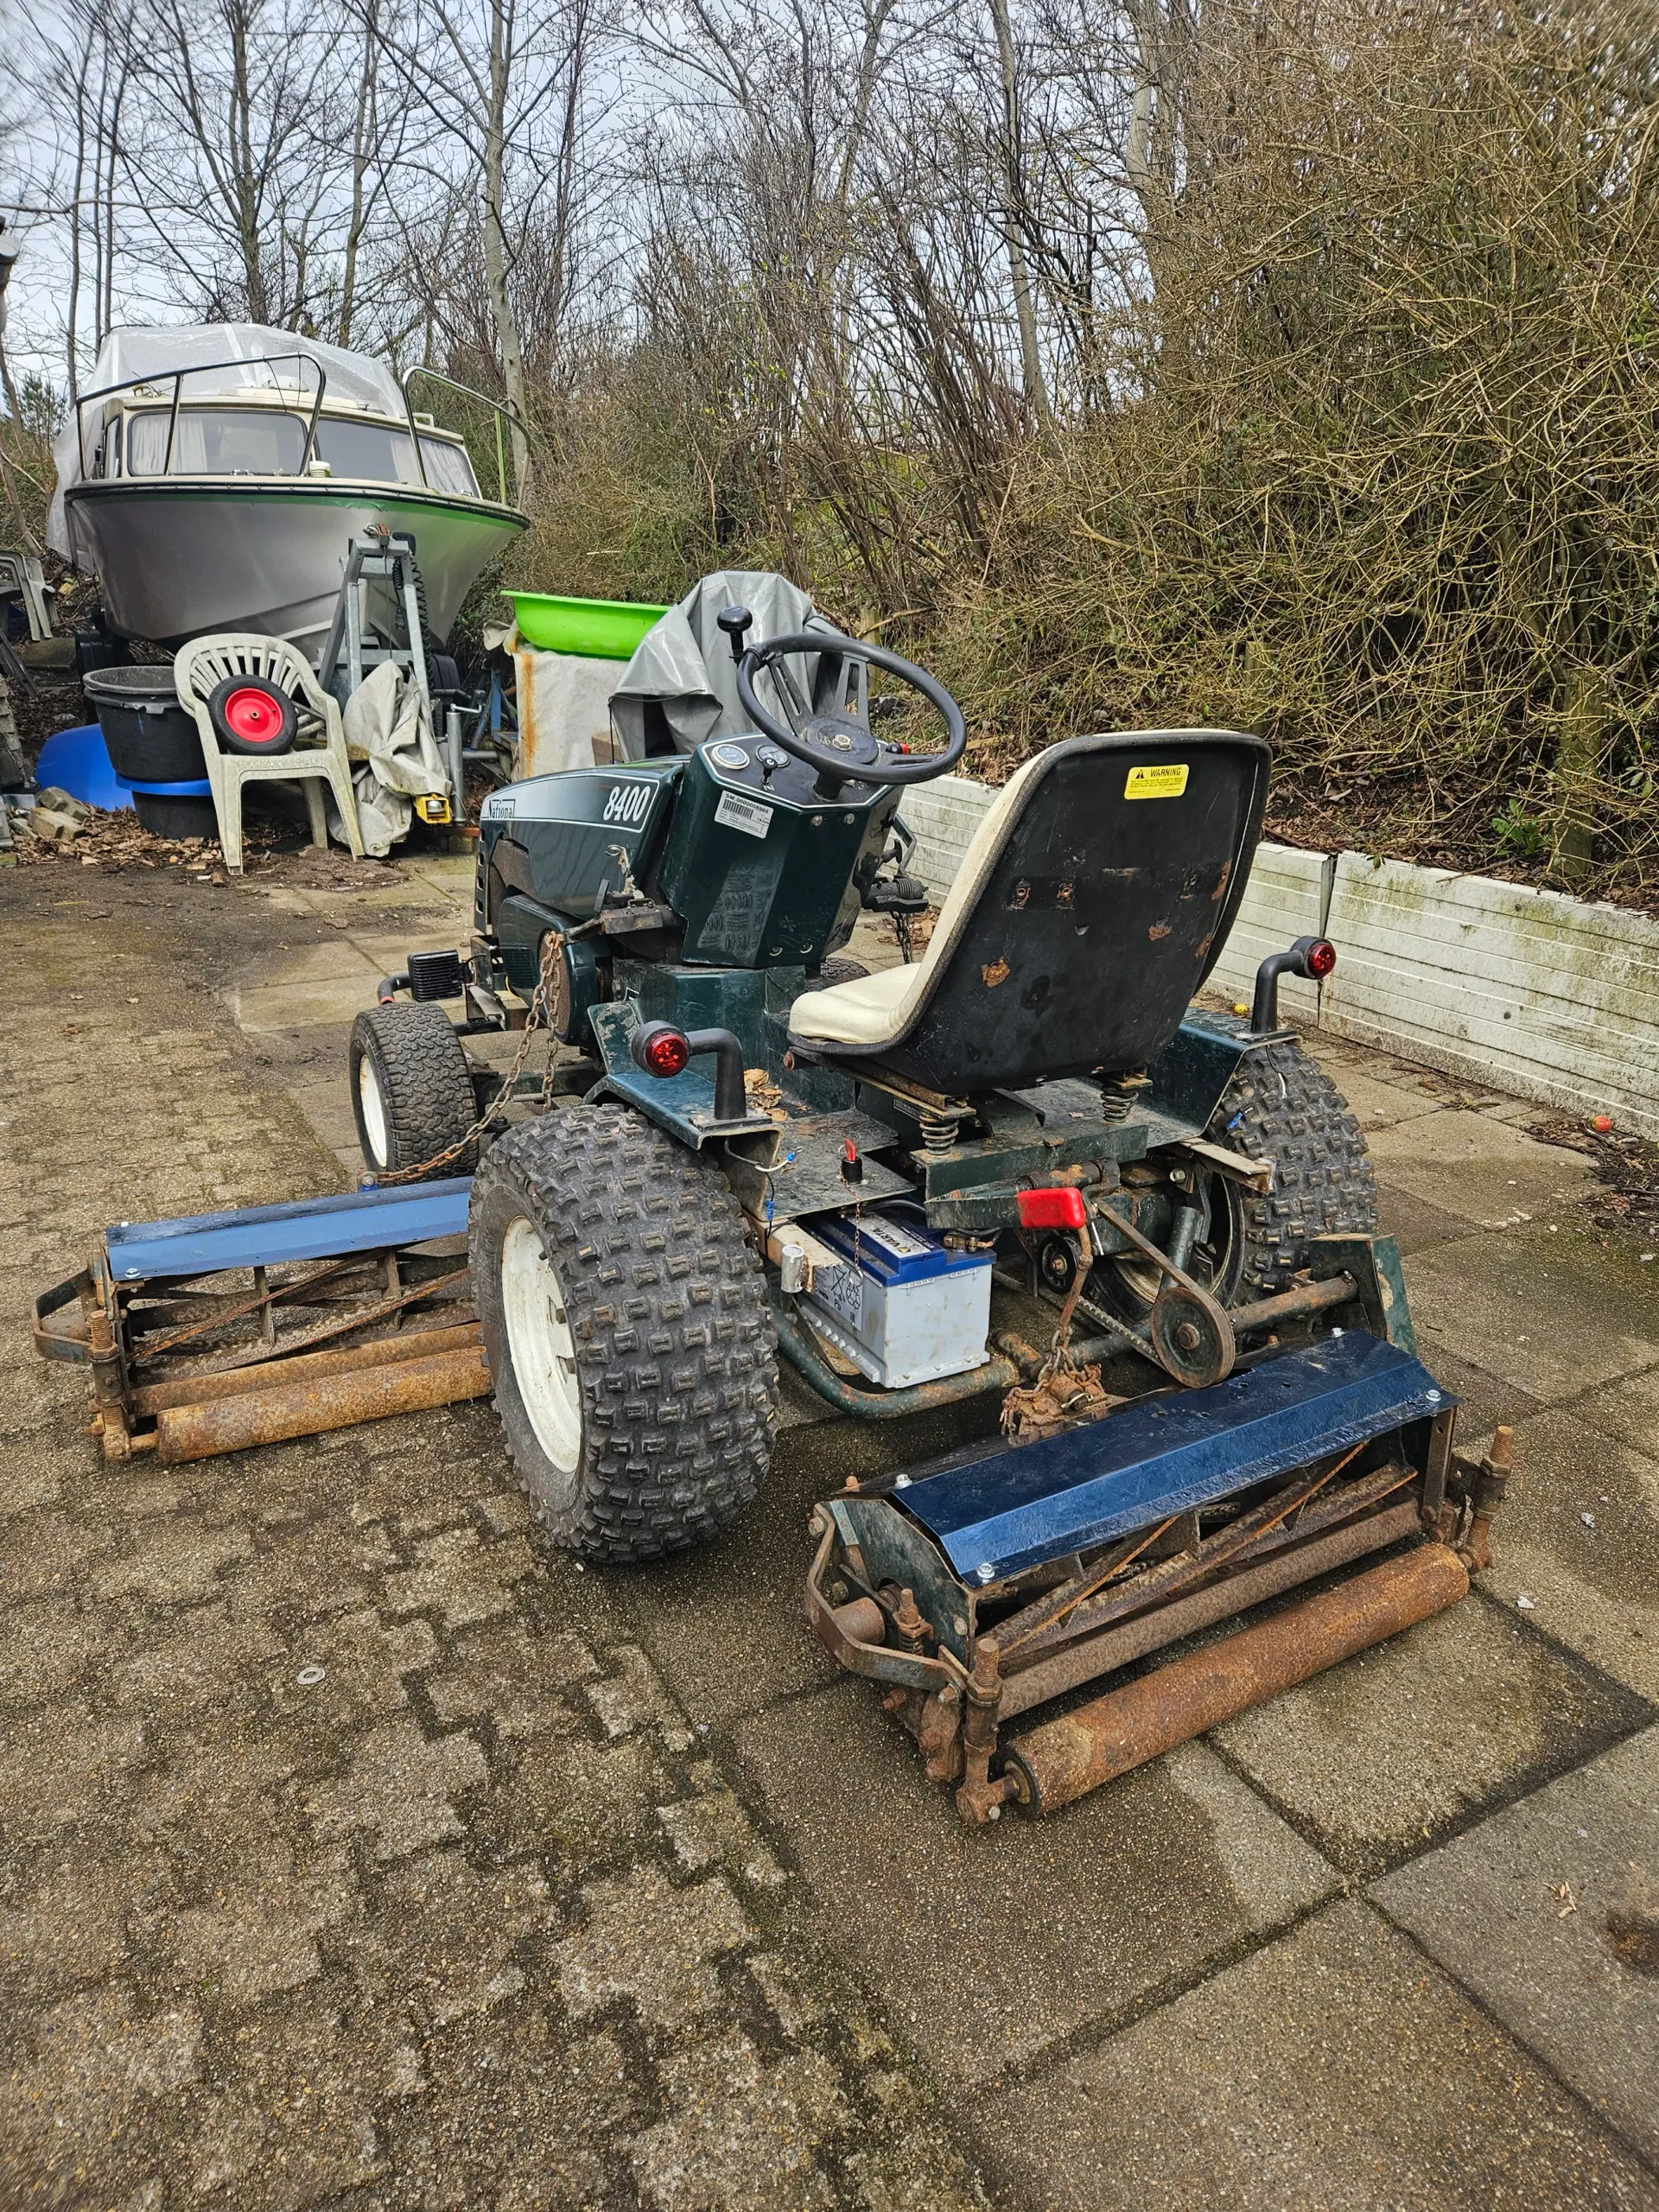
(1167, 1454)
(983, 1587)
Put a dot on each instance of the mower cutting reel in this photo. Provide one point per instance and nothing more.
(215, 1332)
(989, 1585)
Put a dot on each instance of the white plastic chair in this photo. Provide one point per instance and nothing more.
(317, 756)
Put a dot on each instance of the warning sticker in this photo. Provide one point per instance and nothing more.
(745, 814)
(842, 1289)
(1168, 781)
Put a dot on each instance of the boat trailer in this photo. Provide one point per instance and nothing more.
(987, 1594)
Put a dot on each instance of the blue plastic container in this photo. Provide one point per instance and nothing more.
(78, 761)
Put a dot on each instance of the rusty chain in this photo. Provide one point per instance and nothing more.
(536, 1017)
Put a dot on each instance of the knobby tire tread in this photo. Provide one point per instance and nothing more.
(426, 1093)
(675, 1344)
(1281, 1106)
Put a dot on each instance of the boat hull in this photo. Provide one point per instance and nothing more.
(176, 559)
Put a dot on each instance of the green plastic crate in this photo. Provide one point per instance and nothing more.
(606, 629)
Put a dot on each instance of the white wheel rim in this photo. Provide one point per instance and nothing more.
(374, 1110)
(540, 1346)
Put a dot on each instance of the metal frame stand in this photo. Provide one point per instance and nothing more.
(388, 557)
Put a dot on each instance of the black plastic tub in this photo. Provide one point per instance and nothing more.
(151, 737)
(165, 815)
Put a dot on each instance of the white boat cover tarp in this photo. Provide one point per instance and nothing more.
(683, 663)
(221, 357)
(394, 756)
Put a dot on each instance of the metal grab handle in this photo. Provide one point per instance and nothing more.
(176, 376)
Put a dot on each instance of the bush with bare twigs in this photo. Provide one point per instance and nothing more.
(1363, 457)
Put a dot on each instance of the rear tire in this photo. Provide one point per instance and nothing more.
(1281, 1106)
(626, 1323)
(411, 1091)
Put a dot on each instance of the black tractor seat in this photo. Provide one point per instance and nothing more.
(1093, 901)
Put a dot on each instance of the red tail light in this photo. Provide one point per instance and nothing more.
(666, 1053)
(1321, 957)
(1062, 1208)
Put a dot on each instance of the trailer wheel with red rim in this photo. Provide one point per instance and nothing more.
(252, 715)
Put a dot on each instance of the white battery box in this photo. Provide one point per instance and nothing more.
(902, 1307)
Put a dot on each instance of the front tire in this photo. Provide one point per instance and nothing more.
(412, 1090)
(627, 1326)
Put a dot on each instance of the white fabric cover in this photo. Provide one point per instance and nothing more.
(564, 710)
(874, 1011)
(393, 754)
(129, 357)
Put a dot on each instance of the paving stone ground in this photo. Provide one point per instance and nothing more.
(567, 1889)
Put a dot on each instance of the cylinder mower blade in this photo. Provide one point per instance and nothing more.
(215, 1332)
(985, 1587)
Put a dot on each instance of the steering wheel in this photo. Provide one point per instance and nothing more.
(837, 738)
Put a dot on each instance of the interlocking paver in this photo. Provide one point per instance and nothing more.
(714, 1830)
(515, 1676)
(296, 2114)
(652, 1945)
(87, 2098)
(573, 1890)
(740, 2135)
(401, 1788)
(632, 1695)
(252, 1937)
(472, 1936)
(461, 1577)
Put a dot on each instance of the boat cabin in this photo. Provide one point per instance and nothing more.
(280, 432)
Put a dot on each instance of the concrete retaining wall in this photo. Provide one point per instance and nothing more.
(1549, 997)
(1554, 998)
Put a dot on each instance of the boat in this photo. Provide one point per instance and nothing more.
(215, 474)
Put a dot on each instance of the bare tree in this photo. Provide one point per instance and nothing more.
(504, 85)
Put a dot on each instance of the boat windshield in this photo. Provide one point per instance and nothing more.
(449, 469)
(268, 442)
(373, 451)
(217, 441)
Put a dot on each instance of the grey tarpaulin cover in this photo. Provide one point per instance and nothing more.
(683, 663)
(389, 741)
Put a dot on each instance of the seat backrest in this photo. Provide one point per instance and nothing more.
(1093, 902)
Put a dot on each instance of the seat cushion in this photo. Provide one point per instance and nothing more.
(873, 1010)
(867, 1011)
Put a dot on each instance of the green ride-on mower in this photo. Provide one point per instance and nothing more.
(748, 1148)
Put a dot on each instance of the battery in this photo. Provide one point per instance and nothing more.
(901, 1306)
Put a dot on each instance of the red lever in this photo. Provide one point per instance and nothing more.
(1061, 1207)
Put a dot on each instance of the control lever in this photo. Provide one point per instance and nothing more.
(735, 621)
